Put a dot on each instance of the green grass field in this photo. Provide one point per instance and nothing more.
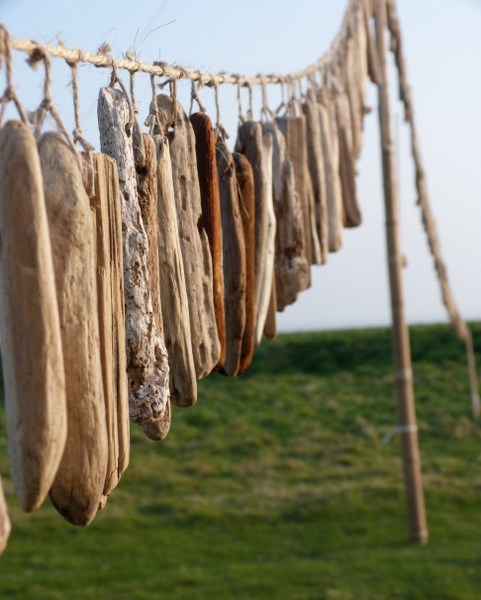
(277, 485)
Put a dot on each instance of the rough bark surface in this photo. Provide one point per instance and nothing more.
(79, 482)
(105, 203)
(147, 364)
(210, 219)
(333, 182)
(291, 265)
(5, 526)
(294, 131)
(196, 256)
(173, 291)
(245, 182)
(234, 260)
(257, 147)
(32, 355)
(315, 164)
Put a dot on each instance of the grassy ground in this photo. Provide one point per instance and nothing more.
(277, 485)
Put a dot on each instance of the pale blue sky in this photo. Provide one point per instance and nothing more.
(442, 46)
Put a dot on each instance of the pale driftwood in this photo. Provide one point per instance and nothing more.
(105, 203)
(245, 182)
(333, 182)
(173, 292)
(270, 326)
(372, 56)
(291, 265)
(294, 131)
(5, 525)
(210, 219)
(234, 259)
(257, 147)
(148, 200)
(80, 479)
(147, 365)
(315, 164)
(194, 244)
(29, 322)
(347, 169)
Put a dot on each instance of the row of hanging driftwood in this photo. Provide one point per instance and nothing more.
(162, 259)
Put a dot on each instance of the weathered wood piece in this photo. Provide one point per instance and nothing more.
(294, 131)
(291, 265)
(105, 203)
(270, 327)
(5, 525)
(147, 364)
(330, 155)
(234, 259)
(210, 219)
(257, 147)
(176, 127)
(173, 291)
(347, 168)
(29, 322)
(245, 182)
(79, 482)
(315, 164)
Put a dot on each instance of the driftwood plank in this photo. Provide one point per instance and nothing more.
(330, 155)
(78, 485)
(234, 259)
(257, 147)
(5, 525)
(105, 203)
(210, 219)
(194, 243)
(147, 364)
(173, 291)
(29, 322)
(315, 163)
(291, 265)
(245, 182)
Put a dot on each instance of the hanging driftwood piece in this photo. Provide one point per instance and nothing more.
(330, 155)
(316, 173)
(78, 485)
(257, 147)
(291, 265)
(347, 169)
(194, 243)
(245, 182)
(210, 218)
(173, 292)
(147, 365)
(105, 203)
(5, 526)
(270, 327)
(294, 131)
(147, 191)
(234, 259)
(29, 322)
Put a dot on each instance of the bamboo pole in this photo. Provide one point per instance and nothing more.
(418, 531)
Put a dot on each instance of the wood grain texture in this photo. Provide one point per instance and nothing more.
(173, 292)
(315, 162)
(32, 354)
(291, 265)
(257, 147)
(330, 155)
(79, 482)
(294, 130)
(5, 525)
(234, 260)
(194, 243)
(105, 203)
(270, 326)
(147, 364)
(210, 219)
(245, 182)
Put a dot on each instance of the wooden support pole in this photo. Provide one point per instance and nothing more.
(418, 531)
